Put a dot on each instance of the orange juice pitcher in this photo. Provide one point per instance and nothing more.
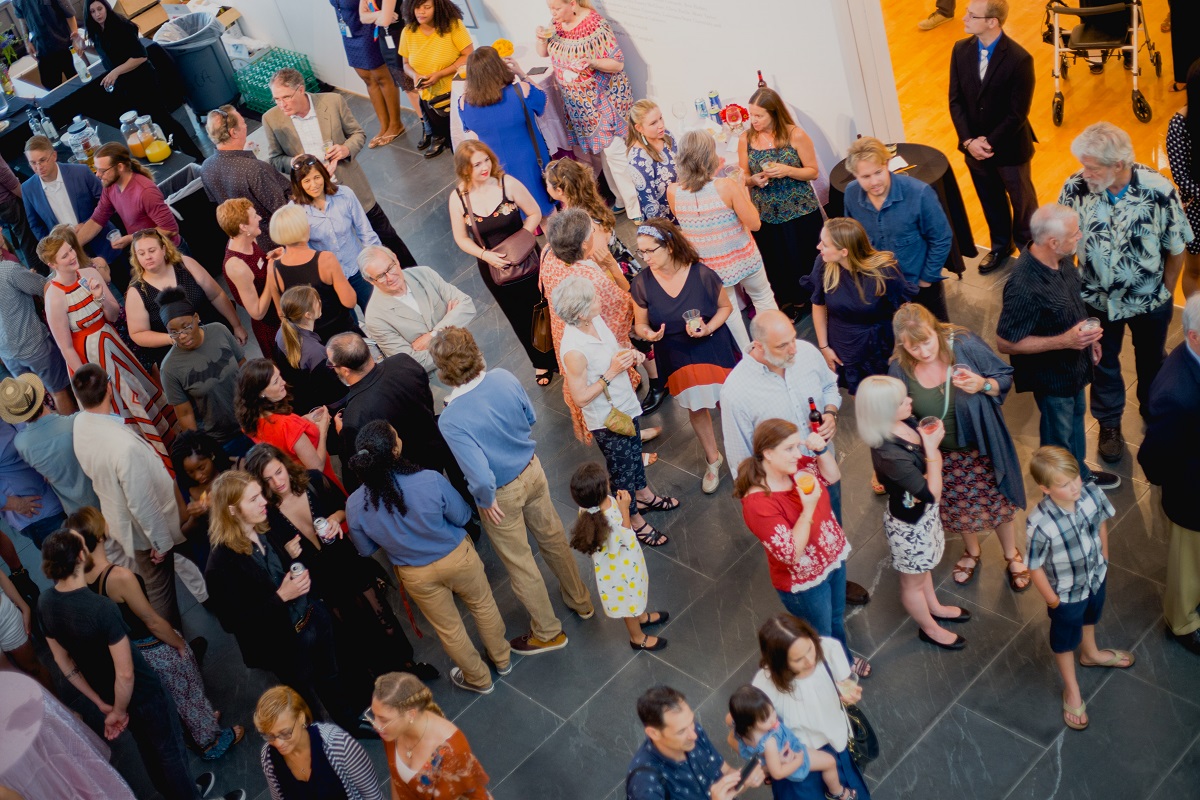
(157, 146)
(129, 132)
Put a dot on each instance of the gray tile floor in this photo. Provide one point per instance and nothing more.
(981, 723)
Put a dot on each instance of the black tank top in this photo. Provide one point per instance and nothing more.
(195, 295)
(137, 628)
(335, 318)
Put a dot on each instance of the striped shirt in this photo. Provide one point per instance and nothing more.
(22, 332)
(347, 757)
(718, 235)
(1066, 544)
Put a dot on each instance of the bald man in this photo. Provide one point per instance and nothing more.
(776, 380)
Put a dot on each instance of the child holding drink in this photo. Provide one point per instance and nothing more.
(602, 531)
(1068, 554)
(786, 505)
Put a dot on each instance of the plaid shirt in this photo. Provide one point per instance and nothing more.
(1066, 545)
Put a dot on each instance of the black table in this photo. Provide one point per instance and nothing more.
(928, 164)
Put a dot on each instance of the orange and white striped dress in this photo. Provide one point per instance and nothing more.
(137, 397)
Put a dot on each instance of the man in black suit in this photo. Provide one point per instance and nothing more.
(991, 89)
(1170, 455)
(397, 390)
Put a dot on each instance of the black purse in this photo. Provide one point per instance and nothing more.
(862, 741)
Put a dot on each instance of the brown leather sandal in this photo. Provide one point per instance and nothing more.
(969, 572)
(1015, 578)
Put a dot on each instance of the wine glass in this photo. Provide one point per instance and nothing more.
(328, 145)
(733, 118)
(679, 111)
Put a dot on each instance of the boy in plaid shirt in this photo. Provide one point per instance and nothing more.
(1068, 556)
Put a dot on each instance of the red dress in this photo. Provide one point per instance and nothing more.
(284, 430)
(771, 517)
(265, 328)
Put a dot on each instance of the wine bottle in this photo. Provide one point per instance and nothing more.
(814, 415)
(761, 83)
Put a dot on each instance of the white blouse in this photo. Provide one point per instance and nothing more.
(599, 351)
(813, 708)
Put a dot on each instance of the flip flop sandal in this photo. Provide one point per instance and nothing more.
(1014, 578)
(648, 536)
(659, 503)
(968, 571)
(650, 434)
(1115, 661)
(385, 140)
(374, 142)
(648, 459)
(1080, 712)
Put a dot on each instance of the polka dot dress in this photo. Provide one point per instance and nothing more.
(621, 577)
(1179, 154)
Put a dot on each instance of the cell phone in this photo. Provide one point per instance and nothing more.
(536, 71)
(746, 770)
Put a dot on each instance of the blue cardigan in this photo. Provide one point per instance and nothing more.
(980, 420)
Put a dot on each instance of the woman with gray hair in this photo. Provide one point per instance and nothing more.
(571, 253)
(908, 463)
(718, 217)
(596, 371)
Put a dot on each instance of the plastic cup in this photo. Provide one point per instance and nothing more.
(1091, 324)
(693, 320)
(930, 425)
(960, 369)
(805, 482)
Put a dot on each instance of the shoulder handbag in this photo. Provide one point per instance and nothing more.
(862, 741)
(519, 249)
(537, 151)
(617, 420)
(539, 335)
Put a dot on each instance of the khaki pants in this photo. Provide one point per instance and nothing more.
(433, 587)
(526, 502)
(160, 585)
(1182, 594)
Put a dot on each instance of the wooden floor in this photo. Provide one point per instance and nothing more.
(921, 61)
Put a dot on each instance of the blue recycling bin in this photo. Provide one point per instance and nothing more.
(203, 63)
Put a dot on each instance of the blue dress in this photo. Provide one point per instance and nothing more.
(502, 128)
(651, 179)
(362, 51)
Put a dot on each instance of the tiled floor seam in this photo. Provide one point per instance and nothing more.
(690, 675)
(1168, 772)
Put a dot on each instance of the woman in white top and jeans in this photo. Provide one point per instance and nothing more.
(596, 370)
(718, 218)
(806, 677)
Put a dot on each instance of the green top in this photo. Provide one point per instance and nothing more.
(930, 403)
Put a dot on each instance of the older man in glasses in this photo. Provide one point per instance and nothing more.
(409, 306)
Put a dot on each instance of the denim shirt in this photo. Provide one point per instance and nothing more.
(910, 223)
(342, 228)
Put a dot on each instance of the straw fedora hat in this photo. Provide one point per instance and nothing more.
(21, 397)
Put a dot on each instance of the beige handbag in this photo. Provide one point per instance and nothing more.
(617, 420)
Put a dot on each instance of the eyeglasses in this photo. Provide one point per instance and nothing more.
(280, 737)
(105, 170)
(279, 98)
(644, 253)
(374, 721)
(969, 15)
(187, 328)
(381, 277)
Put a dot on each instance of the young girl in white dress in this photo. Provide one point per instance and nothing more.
(602, 531)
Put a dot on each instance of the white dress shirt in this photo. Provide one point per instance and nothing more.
(60, 200)
(308, 128)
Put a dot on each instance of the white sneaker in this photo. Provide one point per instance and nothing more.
(712, 476)
(933, 20)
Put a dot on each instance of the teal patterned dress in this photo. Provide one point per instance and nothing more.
(791, 225)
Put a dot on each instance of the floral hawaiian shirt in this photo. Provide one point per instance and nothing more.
(1125, 240)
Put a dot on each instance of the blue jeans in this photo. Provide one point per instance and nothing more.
(40, 531)
(835, 499)
(154, 725)
(1149, 334)
(813, 787)
(823, 607)
(362, 289)
(1062, 425)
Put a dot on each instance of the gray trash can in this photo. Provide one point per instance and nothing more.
(203, 63)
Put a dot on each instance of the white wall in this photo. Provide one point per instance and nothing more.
(305, 26)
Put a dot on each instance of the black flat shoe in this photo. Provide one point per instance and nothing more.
(439, 146)
(426, 672)
(856, 595)
(958, 644)
(659, 645)
(993, 261)
(663, 616)
(965, 616)
(653, 399)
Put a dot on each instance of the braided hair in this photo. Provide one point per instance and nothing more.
(403, 690)
(377, 464)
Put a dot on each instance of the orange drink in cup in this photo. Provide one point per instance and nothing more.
(805, 482)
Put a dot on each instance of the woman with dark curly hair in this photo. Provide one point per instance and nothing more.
(198, 460)
(417, 517)
(263, 408)
(434, 44)
(306, 513)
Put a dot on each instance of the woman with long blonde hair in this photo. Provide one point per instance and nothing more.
(651, 155)
(856, 290)
(300, 354)
(265, 603)
(427, 755)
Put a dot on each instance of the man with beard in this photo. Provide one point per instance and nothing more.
(130, 192)
(1134, 234)
(776, 380)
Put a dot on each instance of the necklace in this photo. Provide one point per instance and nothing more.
(408, 753)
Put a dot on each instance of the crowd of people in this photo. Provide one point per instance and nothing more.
(142, 441)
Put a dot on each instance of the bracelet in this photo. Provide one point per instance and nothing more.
(822, 347)
(72, 673)
(833, 412)
(822, 451)
(605, 380)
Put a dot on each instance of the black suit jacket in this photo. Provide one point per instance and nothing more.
(997, 107)
(244, 601)
(396, 390)
(1170, 451)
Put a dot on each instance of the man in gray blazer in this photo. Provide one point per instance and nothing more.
(301, 123)
(409, 306)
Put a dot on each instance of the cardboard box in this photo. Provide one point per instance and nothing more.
(131, 8)
(150, 20)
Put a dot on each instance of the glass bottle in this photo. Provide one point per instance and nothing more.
(129, 132)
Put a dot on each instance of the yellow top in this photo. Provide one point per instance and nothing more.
(428, 54)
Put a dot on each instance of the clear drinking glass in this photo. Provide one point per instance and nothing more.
(929, 425)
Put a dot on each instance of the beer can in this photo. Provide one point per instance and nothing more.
(714, 103)
(324, 530)
(701, 108)
(297, 569)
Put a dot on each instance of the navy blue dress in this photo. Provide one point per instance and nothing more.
(362, 51)
(502, 128)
